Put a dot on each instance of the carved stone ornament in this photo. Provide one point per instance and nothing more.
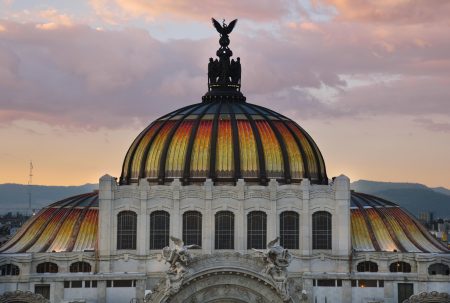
(227, 277)
(429, 297)
(178, 258)
(277, 261)
(22, 297)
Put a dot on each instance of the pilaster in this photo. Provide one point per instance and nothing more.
(207, 227)
(240, 218)
(341, 231)
(305, 219)
(143, 232)
(101, 291)
(346, 291)
(272, 228)
(175, 217)
(107, 186)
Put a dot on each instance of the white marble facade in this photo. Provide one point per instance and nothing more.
(235, 274)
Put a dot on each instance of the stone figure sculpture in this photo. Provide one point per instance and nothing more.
(277, 260)
(178, 258)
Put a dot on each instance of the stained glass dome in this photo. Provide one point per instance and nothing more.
(224, 140)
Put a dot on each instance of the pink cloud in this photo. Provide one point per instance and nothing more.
(77, 76)
(262, 10)
(395, 11)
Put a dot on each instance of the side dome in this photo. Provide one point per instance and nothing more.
(224, 141)
(381, 225)
(64, 226)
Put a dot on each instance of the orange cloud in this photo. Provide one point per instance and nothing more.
(396, 11)
(262, 10)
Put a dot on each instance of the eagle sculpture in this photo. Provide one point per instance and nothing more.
(224, 29)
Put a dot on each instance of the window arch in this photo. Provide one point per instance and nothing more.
(321, 230)
(47, 267)
(9, 270)
(256, 230)
(159, 229)
(400, 267)
(438, 269)
(289, 230)
(224, 232)
(367, 266)
(126, 230)
(80, 267)
(192, 228)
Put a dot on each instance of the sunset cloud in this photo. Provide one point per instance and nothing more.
(62, 72)
(261, 11)
(392, 11)
(76, 75)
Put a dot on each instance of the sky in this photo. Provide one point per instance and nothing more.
(369, 80)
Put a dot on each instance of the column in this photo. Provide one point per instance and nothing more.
(272, 228)
(240, 232)
(176, 219)
(107, 186)
(101, 292)
(305, 220)
(341, 240)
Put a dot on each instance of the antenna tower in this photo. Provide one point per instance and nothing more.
(30, 182)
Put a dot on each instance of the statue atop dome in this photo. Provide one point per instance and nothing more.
(224, 73)
(224, 30)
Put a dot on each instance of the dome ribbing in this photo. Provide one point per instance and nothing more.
(224, 141)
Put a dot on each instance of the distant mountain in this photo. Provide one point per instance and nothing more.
(411, 196)
(442, 190)
(14, 197)
(414, 197)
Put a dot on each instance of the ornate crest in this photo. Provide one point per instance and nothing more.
(178, 258)
(277, 260)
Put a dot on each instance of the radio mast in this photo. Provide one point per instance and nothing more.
(30, 182)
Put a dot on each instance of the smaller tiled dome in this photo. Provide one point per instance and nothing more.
(380, 225)
(67, 225)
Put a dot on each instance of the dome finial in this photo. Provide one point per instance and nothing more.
(224, 75)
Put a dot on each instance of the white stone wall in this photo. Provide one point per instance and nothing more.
(145, 267)
(305, 199)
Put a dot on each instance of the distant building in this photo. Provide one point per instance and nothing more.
(426, 217)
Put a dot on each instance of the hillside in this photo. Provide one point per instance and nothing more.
(411, 196)
(14, 197)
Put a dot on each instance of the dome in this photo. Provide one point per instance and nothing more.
(224, 140)
(67, 225)
(380, 225)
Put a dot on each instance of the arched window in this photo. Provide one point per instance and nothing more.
(367, 266)
(9, 270)
(47, 267)
(192, 228)
(224, 238)
(400, 267)
(126, 230)
(438, 269)
(80, 267)
(321, 230)
(256, 230)
(289, 230)
(159, 229)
